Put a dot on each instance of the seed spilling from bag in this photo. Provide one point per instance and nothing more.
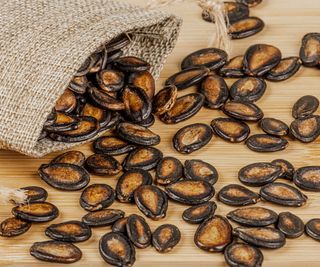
(212, 58)
(35, 194)
(166, 237)
(36, 212)
(265, 237)
(102, 164)
(71, 157)
(309, 51)
(97, 197)
(308, 178)
(62, 123)
(138, 231)
(260, 58)
(266, 143)
(237, 195)
(274, 127)
(64, 176)
(112, 146)
(192, 137)
(241, 254)
(242, 110)
(284, 70)
(116, 249)
(145, 158)
(190, 192)
(290, 225)
(110, 80)
(145, 81)
(313, 229)
(184, 108)
(79, 84)
(165, 99)
(258, 174)
(151, 201)
(137, 134)
(246, 27)
(13, 227)
(213, 234)
(66, 103)
(199, 213)
(287, 168)
(248, 89)
(283, 194)
(102, 116)
(103, 217)
(168, 170)
(306, 129)
(132, 64)
(305, 106)
(70, 231)
(253, 216)
(56, 251)
(196, 169)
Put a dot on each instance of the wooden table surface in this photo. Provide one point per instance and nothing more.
(286, 22)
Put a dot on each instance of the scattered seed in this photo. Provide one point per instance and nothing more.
(145, 81)
(120, 226)
(196, 169)
(248, 89)
(165, 99)
(306, 129)
(168, 170)
(102, 164)
(250, 3)
(290, 225)
(199, 213)
(36, 212)
(313, 228)
(242, 110)
(308, 178)
(138, 231)
(266, 143)
(166, 237)
(102, 116)
(237, 195)
(309, 51)
(35, 194)
(70, 157)
(148, 122)
(13, 227)
(112, 146)
(305, 106)
(246, 27)
(287, 168)
(284, 70)
(233, 68)
(274, 127)
(103, 217)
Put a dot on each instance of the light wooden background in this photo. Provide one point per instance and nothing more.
(286, 22)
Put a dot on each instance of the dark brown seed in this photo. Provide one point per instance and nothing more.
(105, 100)
(151, 201)
(13, 227)
(63, 122)
(97, 197)
(119, 42)
(266, 143)
(110, 80)
(248, 89)
(145, 81)
(253, 216)
(306, 129)
(166, 237)
(120, 226)
(184, 108)
(265, 237)
(168, 170)
(187, 77)
(102, 164)
(96, 62)
(246, 27)
(242, 110)
(70, 157)
(116, 249)
(250, 3)
(241, 254)
(129, 182)
(36, 212)
(211, 58)
(79, 84)
(131, 64)
(70, 231)
(190, 192)
(67, 102)
(258, 174)
(287, 168)
(145, 158)
(88, 127)
(51, 118)
(213, 234)
(312, 228)
(114, 55)
(196, 169)
(215, 90)
(64, 176)
(138, 231)
(56, 251)
(305, 106)
(199, 213)
(101, 115)
(137, 134)
(260, 58)
(283, 194)
(84, 69)
(290, 225)
(284, 70)
(147, 122)
(102, 217)
(192, 137)
(274, 127)
(230, 129)
(112, 146)
(309, 51)
(165, 99)
(233, 68)
(35, 194)
(81, 101)
(308, 178)
(237, 195)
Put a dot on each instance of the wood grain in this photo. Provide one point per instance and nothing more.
(286, 22)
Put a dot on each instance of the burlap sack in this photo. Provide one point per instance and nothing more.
(44, 42)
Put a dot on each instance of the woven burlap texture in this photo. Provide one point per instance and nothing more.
(44, 42)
